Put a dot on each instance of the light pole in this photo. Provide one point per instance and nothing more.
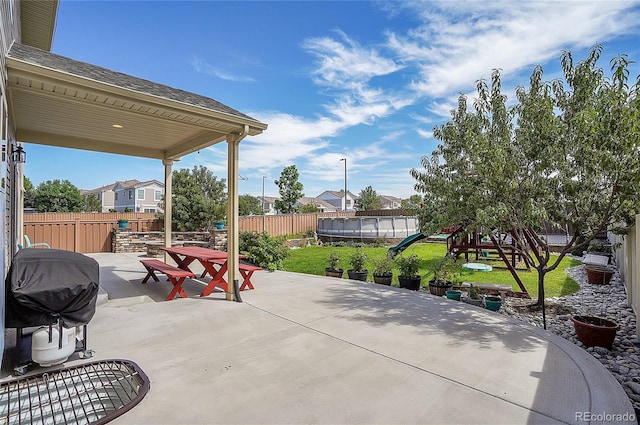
(345, 183)
(263, 217)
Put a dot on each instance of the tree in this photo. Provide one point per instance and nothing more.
(248, 205)
(412, 204)
(58, 196)
(566, 156)
(368, 200)
(91, 203)
(198, 199)
(309, 208)
(29, 193)
(290, 190)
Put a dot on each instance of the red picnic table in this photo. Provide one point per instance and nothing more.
(209, 258)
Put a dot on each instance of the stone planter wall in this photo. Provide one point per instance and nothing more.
(125, 240)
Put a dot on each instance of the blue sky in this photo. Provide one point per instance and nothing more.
(366, 81)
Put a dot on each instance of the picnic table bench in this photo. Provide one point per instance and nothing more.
(246, 270)
(175, 275)
(501, 289)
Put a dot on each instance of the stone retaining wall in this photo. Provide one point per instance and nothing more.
(125, 240)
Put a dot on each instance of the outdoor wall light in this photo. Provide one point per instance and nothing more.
(19, 155)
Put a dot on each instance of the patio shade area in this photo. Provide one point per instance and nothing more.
(312, 349)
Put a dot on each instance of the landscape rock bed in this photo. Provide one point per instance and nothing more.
(608, 301)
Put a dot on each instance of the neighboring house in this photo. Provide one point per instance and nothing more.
(132, 194)
(268, 204)
(390, 202)
(138, 196)
(322, 206)
(336, 199)
(104, 194)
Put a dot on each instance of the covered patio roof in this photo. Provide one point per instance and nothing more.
(58, 101)
(62, 102)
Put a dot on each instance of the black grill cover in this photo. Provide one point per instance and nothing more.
(44, 285)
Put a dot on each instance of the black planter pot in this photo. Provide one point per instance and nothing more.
(356, 275)
(412, 283)
(438, 289)
(383, 279)
(333, 273)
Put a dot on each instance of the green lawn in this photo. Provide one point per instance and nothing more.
(313, 260)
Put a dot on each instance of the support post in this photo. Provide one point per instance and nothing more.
(168, 163)
(233, 142)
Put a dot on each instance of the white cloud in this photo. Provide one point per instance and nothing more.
(461, 42)
(203, 67)
(346, 64)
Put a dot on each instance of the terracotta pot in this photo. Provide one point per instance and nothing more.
(595, 331)
(383, 279)
(333, 273)
(599, 275)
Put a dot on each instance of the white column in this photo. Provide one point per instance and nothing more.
(168, 163)
(233, 251)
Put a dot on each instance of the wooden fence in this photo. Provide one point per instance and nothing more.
(92, 232)
(83, 232)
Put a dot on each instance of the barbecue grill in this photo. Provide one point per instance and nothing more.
(55, 291)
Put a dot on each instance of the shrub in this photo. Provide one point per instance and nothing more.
(261, 249)
(357, 260)
(334, 261)
(383, 266)
(408, 266)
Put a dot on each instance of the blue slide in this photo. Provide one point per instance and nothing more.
(395, 250)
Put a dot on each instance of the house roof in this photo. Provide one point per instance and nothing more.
(338, 193)
(309, 200)
(62, 102)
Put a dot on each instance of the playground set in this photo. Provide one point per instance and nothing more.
(477, 246)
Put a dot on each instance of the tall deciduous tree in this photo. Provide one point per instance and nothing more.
(368, 200)
(290, 190)
(199, 199)
(566, 155)
(412, 204)
(29, 193)
(248, 205)
(91, 203)
(58, 196)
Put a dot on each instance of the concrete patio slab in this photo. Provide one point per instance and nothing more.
(309, 349)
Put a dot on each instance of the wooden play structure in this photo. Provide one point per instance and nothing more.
(490, 246)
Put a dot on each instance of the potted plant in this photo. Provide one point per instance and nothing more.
(333, 269)
(357, 261)
(493, 303)
(442, 280)
(453, 294)
(600, 247)
(599, 275)
(474, 297)
(408, 271)
(595, 331)
(383, 271)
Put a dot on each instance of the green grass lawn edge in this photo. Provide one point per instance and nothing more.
(313, 260)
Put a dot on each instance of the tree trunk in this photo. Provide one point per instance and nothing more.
(541, 273)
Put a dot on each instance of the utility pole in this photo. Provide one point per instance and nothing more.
(263, 216)
(345, 183)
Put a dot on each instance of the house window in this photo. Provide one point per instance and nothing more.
(158, 195)
(140, 193)
(116, 198)
(149, 210)
(131, 194)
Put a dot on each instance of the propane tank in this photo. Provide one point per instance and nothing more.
(47, 353)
